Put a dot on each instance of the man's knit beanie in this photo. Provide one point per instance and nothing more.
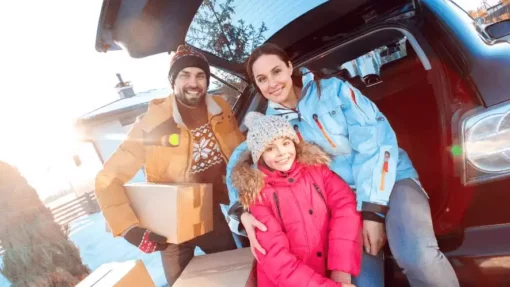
(187, 57)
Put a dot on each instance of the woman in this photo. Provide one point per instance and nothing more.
(314, 229)
(336, 116)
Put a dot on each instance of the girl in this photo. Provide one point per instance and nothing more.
(314, 230)
(337, 117)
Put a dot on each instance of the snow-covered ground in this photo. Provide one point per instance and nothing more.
(98, 247)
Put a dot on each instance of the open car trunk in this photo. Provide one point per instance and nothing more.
(402, 90)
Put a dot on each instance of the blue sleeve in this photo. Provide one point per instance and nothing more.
(375, 148)
(234, 210)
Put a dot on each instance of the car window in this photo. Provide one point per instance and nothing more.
(231, 29)
(226, 85)
(371, 62)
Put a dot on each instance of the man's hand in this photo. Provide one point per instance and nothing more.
(147, 241)
(250, 223)
(374, 236)
(341, 277)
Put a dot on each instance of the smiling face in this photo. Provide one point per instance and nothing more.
(190, 86)
(280, 154)
(273, 78)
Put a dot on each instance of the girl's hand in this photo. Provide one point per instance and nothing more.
(341, 277)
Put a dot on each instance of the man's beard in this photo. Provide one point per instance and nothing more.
(190, 99)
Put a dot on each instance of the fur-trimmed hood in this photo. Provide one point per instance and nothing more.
(249, 180)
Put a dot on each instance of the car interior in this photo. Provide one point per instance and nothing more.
(402, 91)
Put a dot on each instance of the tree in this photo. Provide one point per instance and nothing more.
(212, 30)
(37, 252)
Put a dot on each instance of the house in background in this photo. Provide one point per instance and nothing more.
(102, 130)
(498, 12)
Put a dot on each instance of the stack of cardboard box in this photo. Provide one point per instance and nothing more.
(179, 212)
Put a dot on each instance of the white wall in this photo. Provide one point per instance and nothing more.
(108, 137)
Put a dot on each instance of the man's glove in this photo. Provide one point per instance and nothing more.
(146, 240)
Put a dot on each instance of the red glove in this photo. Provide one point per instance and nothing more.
(146, 240)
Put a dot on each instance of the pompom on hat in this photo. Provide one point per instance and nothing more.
(185, 57)
(263, 130)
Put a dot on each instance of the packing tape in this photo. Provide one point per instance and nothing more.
(223, 269)
(197, 198)
(198, 229)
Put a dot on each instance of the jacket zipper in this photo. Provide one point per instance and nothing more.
(277, 202)
(190, 152)
(213, 128)
(324, 133)
(296, 128)
(319, 191)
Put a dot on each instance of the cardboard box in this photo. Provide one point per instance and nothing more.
(179, 212)
(232, 268)
(119, 274)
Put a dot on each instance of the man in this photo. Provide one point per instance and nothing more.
(187, 137)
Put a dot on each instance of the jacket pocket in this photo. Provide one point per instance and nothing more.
(299, 251)
(332, 118)
(363, 138)
(330, 121)
(167, 163)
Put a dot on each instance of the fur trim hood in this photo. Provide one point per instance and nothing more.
(249, 180)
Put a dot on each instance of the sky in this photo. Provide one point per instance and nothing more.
(51, 74)
(474, 4)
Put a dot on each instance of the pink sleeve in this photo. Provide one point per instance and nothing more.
(345, 240)
(279, 264)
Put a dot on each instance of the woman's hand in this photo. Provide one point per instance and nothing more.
(250, 223)
(374, 236)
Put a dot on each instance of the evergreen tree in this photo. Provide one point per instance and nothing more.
(212, 30)
(37, 252)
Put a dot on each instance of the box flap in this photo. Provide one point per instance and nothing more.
(107, 274)
(229, 268)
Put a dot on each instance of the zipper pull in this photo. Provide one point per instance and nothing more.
(316, 119)
(296, 128)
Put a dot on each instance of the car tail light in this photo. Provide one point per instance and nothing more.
(486, 144)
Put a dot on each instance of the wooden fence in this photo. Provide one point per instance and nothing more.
(65, 213)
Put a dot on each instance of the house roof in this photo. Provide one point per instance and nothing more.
(127, 104)
(122, 106)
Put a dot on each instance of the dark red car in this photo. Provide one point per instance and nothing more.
(441, 80)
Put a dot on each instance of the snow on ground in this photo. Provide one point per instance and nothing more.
(98, 247)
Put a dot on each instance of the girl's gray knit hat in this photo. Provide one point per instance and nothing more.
(263, 130)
